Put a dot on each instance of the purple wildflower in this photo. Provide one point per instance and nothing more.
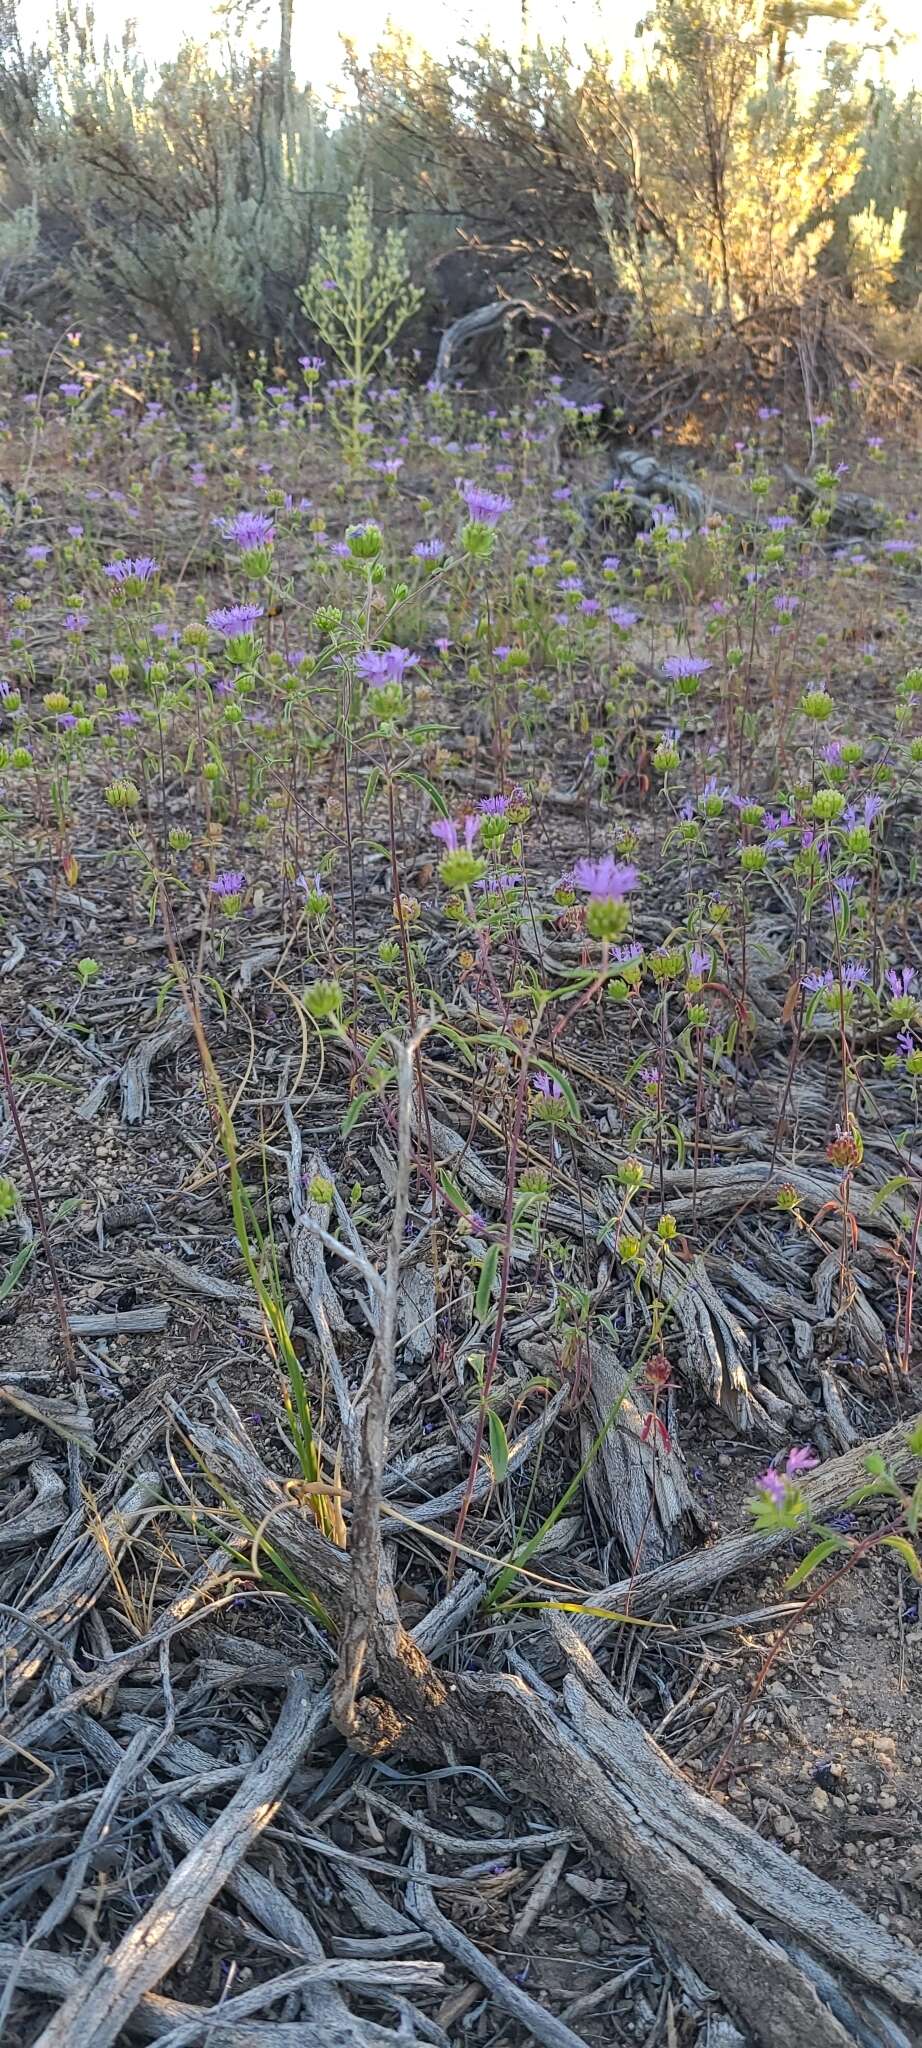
(386, 665)
(815, 982)
(230, 882)
(772, 1484)
(446, 830)
(37, 552)
(495, 885)
(900, 980)
(234, 618)
(138, 568)
(248, 529)
(622, 617)
(485, 508)
(494, 806)
(855, 974)
(682, 667)
(544, 1084)
(699, 962)
(802, 1458)
(607, 880)
(429, 550)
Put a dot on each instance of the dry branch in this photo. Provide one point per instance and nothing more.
(24, 1650)
(539, 2025)
(366, 1556)
(99, 2007)
(763, 1985)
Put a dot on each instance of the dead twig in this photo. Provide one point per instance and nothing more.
(365, 1546)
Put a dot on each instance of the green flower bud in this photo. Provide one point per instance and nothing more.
(461, 869)
(323, 1000)
(667, 965)
(387, 703)
(816, 704)
(478, 540)
(122, 794)
(606, 918)
(364, 541)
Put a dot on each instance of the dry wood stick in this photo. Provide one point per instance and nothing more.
(99, 2007)
(366, 1555)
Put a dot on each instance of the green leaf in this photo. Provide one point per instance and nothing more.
(168, 983)
(904, 1549)
(874, 1489)
(457, 1038)
(355, 1110)
(16, 1267)
(423, 782)
(484, 1294)
(370, 790)
(898, 1180)
(455, 1194)
(808, 1564)
(218, 993)
(499, 1447)
(914, 1440)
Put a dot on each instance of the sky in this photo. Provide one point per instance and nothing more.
(435, 24)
